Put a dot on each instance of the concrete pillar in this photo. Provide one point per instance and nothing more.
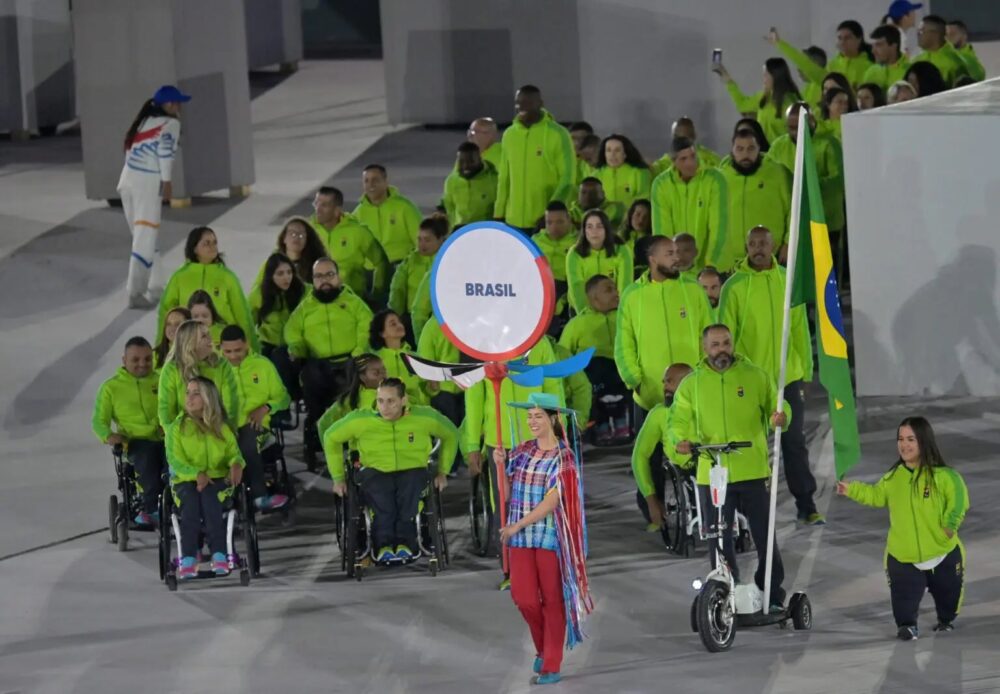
(125, 49)
(274, 33)
(36, 66)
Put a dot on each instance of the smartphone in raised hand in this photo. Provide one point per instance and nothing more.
(717, 57)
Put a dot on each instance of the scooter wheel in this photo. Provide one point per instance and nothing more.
(694, 614)
(716, 621)
(800, 609)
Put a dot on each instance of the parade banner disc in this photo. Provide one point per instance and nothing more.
(492, 291)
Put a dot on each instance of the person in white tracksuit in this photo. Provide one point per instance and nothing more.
(150, 148)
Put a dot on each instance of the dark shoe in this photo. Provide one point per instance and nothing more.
(944, 626)
(907, 634)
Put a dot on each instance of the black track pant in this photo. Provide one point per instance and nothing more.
(907, 585)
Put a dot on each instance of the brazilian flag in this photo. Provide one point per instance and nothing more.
(814, 282)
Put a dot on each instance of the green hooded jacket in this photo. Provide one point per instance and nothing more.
(886, 75)
(538, 166)
(131, 404)
(354, 247)
(479, 425)
(323, 331)
(591, 329)
(468, 200)
(555, 251)
(659, 324)
(947, 60)
(706, 157)
(406, 280)
(259, 384)
(773, 122)
(614, 210)
(395, 367)
(764, 198)
(341, 408)
(173, 390)
(271, 330)
(625, 184)
(579, 269)
(435, 346)
(852, 68)
(736, 405)
(403, 444)
(191, 450)
(972, 64)
(829, 156)
(919, 510)
(752, 305)
(394, 223)
(654, 431)
(421, 308)
(223, 286)
(697, 207)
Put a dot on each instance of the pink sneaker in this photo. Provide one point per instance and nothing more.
(188, 568)
(220, 565)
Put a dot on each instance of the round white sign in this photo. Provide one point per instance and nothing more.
(492, 291)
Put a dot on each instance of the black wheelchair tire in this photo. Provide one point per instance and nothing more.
(675, 511)
(113, 519)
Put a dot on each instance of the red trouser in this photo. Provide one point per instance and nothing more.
(536, 588)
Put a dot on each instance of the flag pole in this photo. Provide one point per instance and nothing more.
(793, 246)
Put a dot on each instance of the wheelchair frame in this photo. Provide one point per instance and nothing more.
(121, 512)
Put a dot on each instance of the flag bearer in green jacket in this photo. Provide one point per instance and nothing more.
(538, 163)
(394, 443)
(261, 394)
(390, 216)
(205, 465)
(752, 305)
(726, 398)
(927, 501)
(127, 402)
(651, 444)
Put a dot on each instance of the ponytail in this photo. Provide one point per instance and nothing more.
(149, 109)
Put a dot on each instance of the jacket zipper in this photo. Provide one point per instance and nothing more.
(666, 321)
(770, 305)
(395, 453)
(142, 405)
(913, 512)
(725, 429)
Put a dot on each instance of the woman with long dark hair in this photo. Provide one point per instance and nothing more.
(545, 532)
(836, 102)
(623, 172)
(150, 147)
(204, 268)
(387, 338)
(272, 300)
(597, 252)
(203, 310)
(853, 58)
(175, 317)
(635, 232)
(927, 501)
(768, 105)
(870, 95)
(300, 243)
(925, 79)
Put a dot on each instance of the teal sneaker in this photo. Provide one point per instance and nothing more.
(384, 555)
(220, 564)
(546, 678)
(537, 667)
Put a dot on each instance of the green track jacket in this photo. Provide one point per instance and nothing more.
(221, 283)
(191, 450)
(131, 404)
(323, 331)
(394, 223)
(173, 390)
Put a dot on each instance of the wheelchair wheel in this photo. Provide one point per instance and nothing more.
(480, 515)
(716, 621)
(351, 530)
(122, 534)
(442, 530)
(244, 577)
(435, 527)
(113, 518)
(250, 545)
(171, 582)
(675, 511)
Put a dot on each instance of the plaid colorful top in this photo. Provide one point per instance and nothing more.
(533, 473)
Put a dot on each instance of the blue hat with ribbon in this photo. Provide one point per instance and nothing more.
(543, 401)
(168, 93)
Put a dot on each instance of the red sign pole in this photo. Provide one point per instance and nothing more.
(496, 372)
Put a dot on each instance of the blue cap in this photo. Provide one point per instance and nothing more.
(901, 8)
(168, 93)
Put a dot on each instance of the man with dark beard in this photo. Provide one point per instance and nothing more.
(752, 305)
(726, 398)
(326, 329)
(758, 192)
(660, 319)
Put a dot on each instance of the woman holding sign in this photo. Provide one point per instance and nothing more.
(545, 532)
(927, 502)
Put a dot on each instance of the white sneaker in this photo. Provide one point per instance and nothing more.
(141, 301)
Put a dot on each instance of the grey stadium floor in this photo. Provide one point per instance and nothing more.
(78, 616)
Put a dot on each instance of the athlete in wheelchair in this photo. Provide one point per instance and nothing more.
(125, 419)
(206, 501)
(387, 499)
